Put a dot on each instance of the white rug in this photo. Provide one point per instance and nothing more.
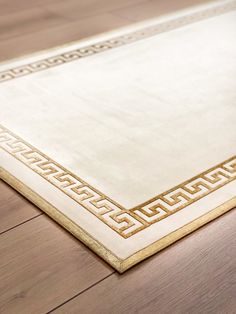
(128, 140)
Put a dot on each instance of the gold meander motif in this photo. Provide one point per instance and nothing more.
(115, 42)
(124, 221)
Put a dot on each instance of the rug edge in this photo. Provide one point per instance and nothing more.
(25, 69)
(118, 264)
(126, 29)
(83, 236)
(180, 233)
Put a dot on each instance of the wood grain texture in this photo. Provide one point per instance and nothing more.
(41, 266)
(196, 275)
(28, 26)
(41, 38)
(14, 209)
(154, 8)
(74, 9)
(28, 21)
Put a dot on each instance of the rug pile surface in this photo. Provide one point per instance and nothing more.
(128, 140)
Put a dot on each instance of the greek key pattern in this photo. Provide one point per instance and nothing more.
(124, 221)
(116, 42)
(109, 212)
(187, 193)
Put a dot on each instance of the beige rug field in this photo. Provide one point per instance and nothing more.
(128, 140)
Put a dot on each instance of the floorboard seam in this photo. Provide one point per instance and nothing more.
(22, 223)
(75, 296)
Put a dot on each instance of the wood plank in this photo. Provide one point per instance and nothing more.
(14, 209)
(196, 275)
(58, 35)
(153, 8)
(75, 9)
(51, 13)
(29, 26)
(87, 6)
(41, 266)
(11, 6)
(28, 22)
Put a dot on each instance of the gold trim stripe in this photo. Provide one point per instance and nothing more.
(76, 54)
(187, 193)
(119, 264)
(60, 218)
(126, 222)
(108, 211)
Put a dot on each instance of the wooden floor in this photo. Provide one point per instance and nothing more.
(42, 267)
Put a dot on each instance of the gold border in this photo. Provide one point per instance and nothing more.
(114, 215)
(177, 235)
(211, 10)
(60, 218)
(126, 29)
(117, 263)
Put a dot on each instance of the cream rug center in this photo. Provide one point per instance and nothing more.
(127, 140)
